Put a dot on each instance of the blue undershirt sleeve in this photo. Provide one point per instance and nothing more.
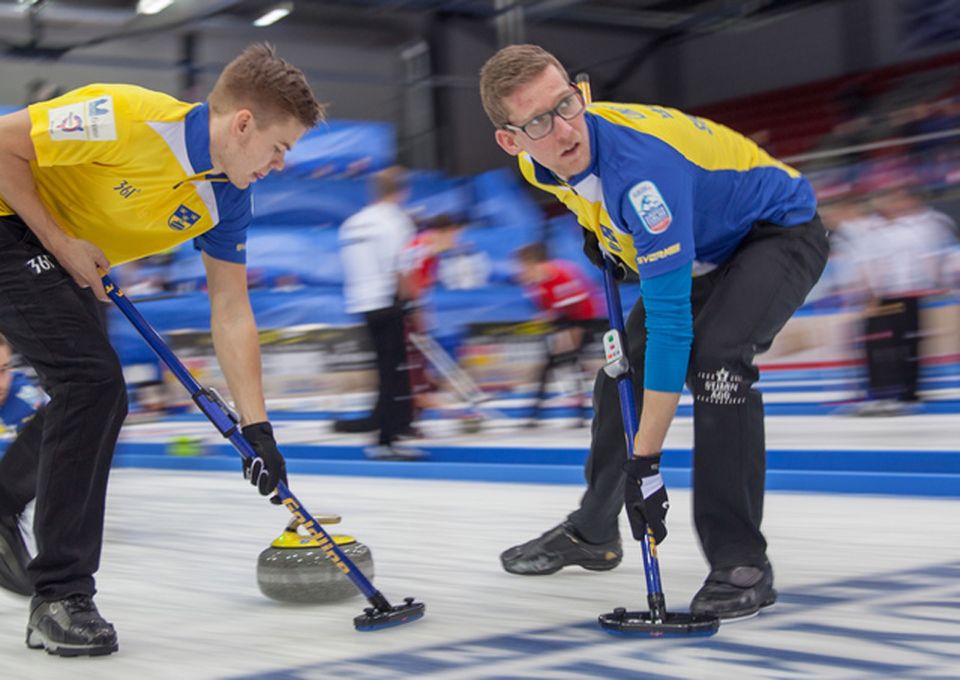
(669, 323)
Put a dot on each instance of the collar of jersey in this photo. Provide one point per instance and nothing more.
(198, 144)
(545, 176)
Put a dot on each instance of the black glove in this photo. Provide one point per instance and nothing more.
(268, 468)
(591, 248)
(643, 476)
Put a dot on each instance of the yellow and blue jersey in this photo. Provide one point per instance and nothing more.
(128, 169)
(665, 189)
(671, 195)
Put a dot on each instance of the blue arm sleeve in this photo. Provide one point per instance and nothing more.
(669, 323)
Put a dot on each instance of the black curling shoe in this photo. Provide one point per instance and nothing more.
(70, 627)
(560, 547)
(735, 592)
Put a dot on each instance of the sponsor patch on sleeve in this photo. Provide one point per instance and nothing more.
(92, 120)
(650, 207)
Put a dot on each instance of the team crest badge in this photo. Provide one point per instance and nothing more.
(182, 218)
(650, 207)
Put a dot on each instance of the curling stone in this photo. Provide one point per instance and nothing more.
(295, 568)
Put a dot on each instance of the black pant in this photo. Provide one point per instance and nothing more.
(893, 348)
(62, 457)
(394, 408)
(738, 308)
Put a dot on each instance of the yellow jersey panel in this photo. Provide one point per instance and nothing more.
(727, 150)
(125, 168)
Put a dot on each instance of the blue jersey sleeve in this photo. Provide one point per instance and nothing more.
(657, 207)
(669, 324)
(228, 240)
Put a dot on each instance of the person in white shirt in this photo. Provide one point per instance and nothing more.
(371, 243)
(901, 262)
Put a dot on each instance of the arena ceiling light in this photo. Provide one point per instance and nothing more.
(274, 14)
(152, 6)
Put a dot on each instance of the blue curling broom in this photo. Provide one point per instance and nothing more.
(657, 622)
(381, 614)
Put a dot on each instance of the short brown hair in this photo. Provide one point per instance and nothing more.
(390, 181)
(269, 86)
(510, 68)
(442, 222)
(532, 253)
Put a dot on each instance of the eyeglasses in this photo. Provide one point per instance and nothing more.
(541, 125)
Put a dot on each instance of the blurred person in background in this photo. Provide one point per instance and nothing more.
(19, 401)
(421, 257)
(19, 397)
(568, 301)
(103, 175)
(371, 248)
(848, 220)
(420, 261)
(902, 259)
(727, 244)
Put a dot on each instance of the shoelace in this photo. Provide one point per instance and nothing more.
(79, 604)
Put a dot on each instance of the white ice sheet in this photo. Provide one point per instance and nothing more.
(870, 587)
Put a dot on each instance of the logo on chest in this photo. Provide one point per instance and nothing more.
(182, 218)
(650, 207)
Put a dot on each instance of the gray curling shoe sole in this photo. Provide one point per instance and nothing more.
(37, 640)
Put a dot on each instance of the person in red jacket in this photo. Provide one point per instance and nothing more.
(419, 263)
(569, 301)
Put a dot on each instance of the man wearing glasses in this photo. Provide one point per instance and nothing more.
(726, 243)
